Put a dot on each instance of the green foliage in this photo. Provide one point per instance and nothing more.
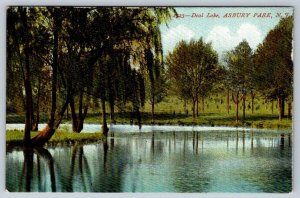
(192, 68)
(239, 67)
(81, 55)
(71, 53)
(273, 61)
(171, 111)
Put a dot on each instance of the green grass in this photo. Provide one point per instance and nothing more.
(171, 112)
(207, 119)
(16, 136)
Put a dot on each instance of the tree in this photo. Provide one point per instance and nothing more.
(191, 65)
(142, 40)
(55, 117)
(27, 81)
(73, 49)
(156, 92)
(15, 62)
(239, 63)
(274, 64)
(148, 53)
(76, 68)
(18, 59)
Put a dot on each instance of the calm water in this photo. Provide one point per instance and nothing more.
(214, 161)
(91, 128)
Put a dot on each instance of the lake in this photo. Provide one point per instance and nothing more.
(159, 161)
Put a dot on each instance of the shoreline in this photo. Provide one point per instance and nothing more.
(15, 136)
(257, 125)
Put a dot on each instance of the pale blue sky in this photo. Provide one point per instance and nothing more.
(224, 33)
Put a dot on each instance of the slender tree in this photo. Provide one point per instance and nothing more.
(239, 63)
(191, 65)
(27, 78)
(37, 39)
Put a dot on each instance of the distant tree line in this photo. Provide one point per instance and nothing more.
(194, 70)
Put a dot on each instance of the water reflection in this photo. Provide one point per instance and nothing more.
(27, 168)
(79, 170)
(31, 169)
(157, 162)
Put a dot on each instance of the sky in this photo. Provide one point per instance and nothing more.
(226, 31)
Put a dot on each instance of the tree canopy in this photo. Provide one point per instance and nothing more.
(79, 58)
(192, 65)
(88, 52)
(273, 64)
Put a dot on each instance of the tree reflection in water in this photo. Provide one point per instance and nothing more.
(45, 154)
(157, 162)
(28, 167)
(27, 179)
(79, 170)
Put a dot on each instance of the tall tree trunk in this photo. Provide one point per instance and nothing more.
(279, 99)
(237, 110)
(53, 123)
(282, 107)
(184, 107)
(37, 121)
(111, 100)
(112, 111)
(81, 117)
(193, 108)
(236, 101)
(46, 133)
(32, 117)
(139, 118)
(80, 122)
(197, 105)
(77, 121)
(152, 108)
(281, 102)
(252, 101)
(152, 97)
(80, 104)
(228, 102)
(68, 113)
(85, 111)
(73, 115)
(244, 106)
(150, 68)
(54, 68)
(104, 122)
(27, 80)
(289, 109)
(202, 99)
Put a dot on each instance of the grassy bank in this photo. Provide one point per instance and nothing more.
(265, 121)
(16, 136)
(171, 111)
(204, 119)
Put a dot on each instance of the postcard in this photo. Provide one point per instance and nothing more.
(149, 99)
